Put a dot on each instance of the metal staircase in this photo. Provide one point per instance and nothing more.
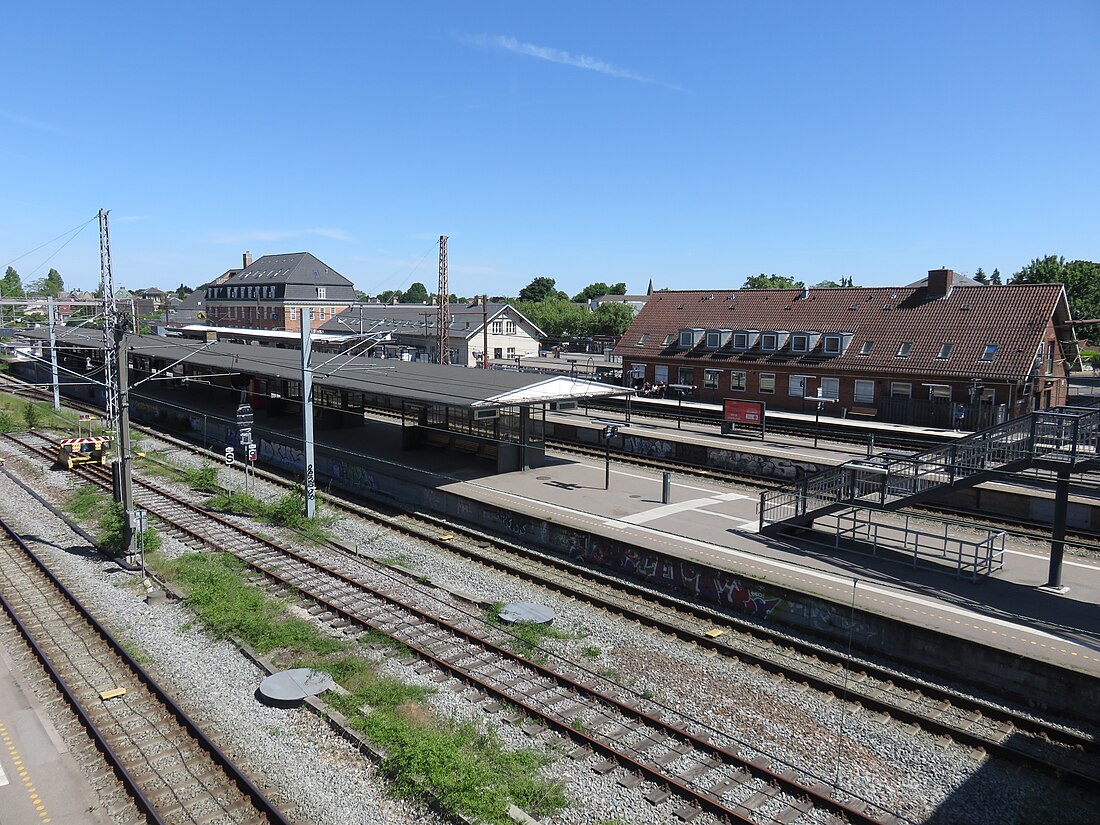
(1065, 439)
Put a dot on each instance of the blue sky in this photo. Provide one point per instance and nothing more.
(693, 144)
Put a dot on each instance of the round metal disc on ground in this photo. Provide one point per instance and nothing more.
(295, 685)
(526, 612)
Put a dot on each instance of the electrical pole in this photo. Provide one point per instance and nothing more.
(116, 387)
(50, 310)
(485, 332)
(307, 419)
(443, 334)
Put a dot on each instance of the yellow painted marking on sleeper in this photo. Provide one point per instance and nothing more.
(32, 794)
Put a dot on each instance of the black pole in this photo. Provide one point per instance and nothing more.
(1058, 534)
(607, 463)
(817, 423)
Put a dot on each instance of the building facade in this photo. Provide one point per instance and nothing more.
(272, 292)
(915, 354)
(411, 330)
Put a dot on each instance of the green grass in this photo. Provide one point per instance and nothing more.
(451, 764)
(288, 511)
(88, 506)
(228, 606)
(591, 652)
(527, 637)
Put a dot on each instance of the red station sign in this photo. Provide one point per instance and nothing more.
(743, 412)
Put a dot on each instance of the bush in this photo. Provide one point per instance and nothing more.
(32, 415)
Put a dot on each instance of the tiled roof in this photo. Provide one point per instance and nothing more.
(464, 316)
(295, 268)
(1012, 317)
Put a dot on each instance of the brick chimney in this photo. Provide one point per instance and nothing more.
(940, 282)
(247, 260)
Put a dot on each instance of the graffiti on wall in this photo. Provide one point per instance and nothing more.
(648, 447)
(761, 466)
(715, 586)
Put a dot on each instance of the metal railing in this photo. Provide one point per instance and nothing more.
(1067, 436)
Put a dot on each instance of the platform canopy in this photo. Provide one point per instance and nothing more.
(409, 380)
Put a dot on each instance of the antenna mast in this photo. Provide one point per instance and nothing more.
(443, 331)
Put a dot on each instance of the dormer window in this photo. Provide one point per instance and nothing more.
(990, 352)
(320, 293)
(903, 350)
(804, 341)
(744, 339)
(718, 338)
(834, 344)
(690, 337)
(773, 341)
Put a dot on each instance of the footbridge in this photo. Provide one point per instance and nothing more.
(1064, 440)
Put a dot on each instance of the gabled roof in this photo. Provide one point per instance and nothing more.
(466, 319)
(1013, 317)
(293, 268)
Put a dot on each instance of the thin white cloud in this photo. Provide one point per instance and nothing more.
(270, 235)
(578, 61)
(31, 123)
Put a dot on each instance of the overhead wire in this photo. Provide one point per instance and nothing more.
(74, 231)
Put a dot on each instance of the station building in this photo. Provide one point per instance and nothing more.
(938, 352)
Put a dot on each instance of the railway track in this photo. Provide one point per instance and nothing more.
(169, 768)
(709, 770)
(974, 722)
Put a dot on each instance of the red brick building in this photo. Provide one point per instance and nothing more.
(908, 354)
(269, 292)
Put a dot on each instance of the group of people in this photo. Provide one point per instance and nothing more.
(647, 390)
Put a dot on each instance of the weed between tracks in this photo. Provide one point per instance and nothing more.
(288, 511)
(89, 506)
(527, 637)
(455, 764)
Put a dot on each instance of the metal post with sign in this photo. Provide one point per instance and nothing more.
(245, 418)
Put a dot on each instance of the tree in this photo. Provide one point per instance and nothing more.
(831, 284)
(981, 277)
(763, 281)
(591, 291)
(611, 318)
(54, 283)
(538, 290)
(617, 289)
(558, 318)
(995, 278)
(182, 291)
(1082, 282)
(415, 294)
(11, 284)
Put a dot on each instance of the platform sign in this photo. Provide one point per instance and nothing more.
(229, 457)
(736, 411)
(252, 452)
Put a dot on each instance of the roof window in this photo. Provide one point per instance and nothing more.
(867, 347)
(642, 339)
(903, 350)
(945, 351)
(989, 352)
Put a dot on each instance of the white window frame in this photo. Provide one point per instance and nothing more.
(830, 388)
(740, 340)
(711, 379)
(864, 391)
(796, 385)
(320, 293)
(509, 327)
(867, 347)
(800, 342)
(832, 345)
(687, 338)
(496, 328)
(774, 341)
(714, 339)
(766, 383)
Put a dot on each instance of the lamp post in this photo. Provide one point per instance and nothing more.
(680, 390)
(821, 400)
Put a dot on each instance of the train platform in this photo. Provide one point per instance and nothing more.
(40, 782)
(711, 524)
